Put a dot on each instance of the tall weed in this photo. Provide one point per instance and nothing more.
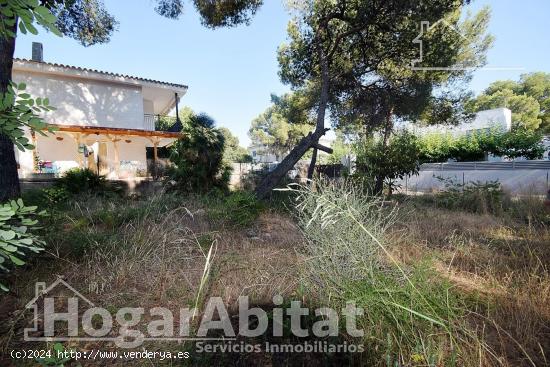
(411, 317)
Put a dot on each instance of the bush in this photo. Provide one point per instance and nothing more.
(17, 240)
(83, 180)
(239, 208)
(519, 142)
(386, 162)
(476, 197)
(198, 157)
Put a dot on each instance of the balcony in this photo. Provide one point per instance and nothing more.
(161, 123)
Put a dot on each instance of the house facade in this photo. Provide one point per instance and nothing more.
(102, 121)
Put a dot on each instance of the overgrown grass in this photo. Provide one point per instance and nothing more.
(488, 198)
(439, 286)
(411, 315)
(238, 208)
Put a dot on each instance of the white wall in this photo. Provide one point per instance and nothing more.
(148, 107)
(518, 181)
(86, 102)
(500, 118)
(64, 154)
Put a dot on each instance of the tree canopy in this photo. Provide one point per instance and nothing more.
(359, 54)
(528, 99)
(198, 156)
(281, 126)
(233, 152)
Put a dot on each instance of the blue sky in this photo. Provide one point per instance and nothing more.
(232, 72)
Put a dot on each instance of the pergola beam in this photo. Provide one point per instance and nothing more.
(114, 131)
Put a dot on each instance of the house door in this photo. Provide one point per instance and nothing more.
(102, 164)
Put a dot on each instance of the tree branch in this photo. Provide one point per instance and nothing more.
(323, 148)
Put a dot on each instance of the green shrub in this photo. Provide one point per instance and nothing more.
(384, 162)
(239, 208)
(198, 157)
(54, 196)
(437, 147)
(476, 197)
(81, 180)
(17, 238)
(84, 181)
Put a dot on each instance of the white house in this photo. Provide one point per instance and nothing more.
(103, 121)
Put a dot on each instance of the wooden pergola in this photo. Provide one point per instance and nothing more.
(113, 134)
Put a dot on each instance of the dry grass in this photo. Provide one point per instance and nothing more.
(501, 264)
(152, 253)
(156, 257)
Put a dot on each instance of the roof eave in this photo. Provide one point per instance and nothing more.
(85, 73)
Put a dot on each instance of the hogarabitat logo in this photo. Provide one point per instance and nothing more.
(61, 313)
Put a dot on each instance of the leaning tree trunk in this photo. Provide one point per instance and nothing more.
(311, 140)
(9, 179)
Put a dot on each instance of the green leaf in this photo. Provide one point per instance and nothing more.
(22, 28)
(7, 235)
(10, 248)
(17, 261)
(58, 347)
(26, 241)
(46, 14)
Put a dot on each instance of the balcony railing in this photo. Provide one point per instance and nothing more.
(158, 122)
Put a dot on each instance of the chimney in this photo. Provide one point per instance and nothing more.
(37, 52)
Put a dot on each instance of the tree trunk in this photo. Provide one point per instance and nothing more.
(379, 182)
(9, 179)
(274, 177)
(311, 168)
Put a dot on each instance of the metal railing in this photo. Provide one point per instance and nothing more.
(485, 166)
(158, 122)
(149, 122)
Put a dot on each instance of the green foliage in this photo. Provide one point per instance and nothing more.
(238, 208)
(86, 21)
(29, 12)
(198, 156)
(225, 13)
(370, 73)
(528, 98)
(55, 195)
(55, 357)
(19, 110)
(477, 197)
(519, 142)
(281, 126)
(233, 152)
(340, 149)
(388, 162)
(214, 14)
(82, 180)
(164, 123)
(525, 109)
(17, 240)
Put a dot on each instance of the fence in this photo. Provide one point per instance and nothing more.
(517, 177)
(483, 166)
